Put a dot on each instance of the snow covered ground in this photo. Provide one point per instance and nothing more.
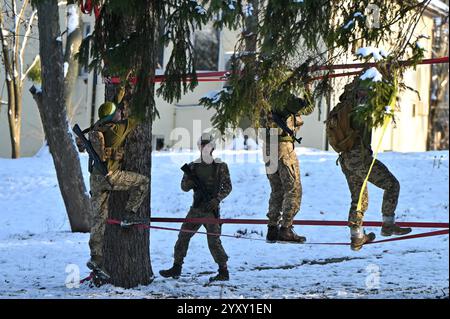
(38, 253)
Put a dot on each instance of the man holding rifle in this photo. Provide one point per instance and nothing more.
(283, 169)
(106, 140)
(209, 178)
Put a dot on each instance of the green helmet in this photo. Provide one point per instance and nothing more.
(106, 111)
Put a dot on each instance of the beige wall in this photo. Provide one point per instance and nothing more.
(187, 113)
(409, 134)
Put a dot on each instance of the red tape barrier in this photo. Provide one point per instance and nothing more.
(221, 75)
(363, 65)
(87, 8)
(146, 226)
(296, 222)
(88, 278)
(327, 223)
(421, 235)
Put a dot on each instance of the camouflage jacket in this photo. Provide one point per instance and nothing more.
(292, 115)
(114, 136)
(215, 177)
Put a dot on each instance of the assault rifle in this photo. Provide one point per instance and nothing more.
(282, 124)
(198, 184)
(94, 159)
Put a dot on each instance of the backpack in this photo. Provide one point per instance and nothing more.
(341, 135)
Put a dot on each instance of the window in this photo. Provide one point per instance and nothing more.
(158, 143)
(83, 69)
(160, 50)
(227, 57)
(207, 48)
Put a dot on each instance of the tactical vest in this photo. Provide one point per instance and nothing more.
(208, 174)
(107, 141)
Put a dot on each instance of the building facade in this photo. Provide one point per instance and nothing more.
(408, 134)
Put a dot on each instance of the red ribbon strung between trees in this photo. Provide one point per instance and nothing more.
(296, 222)
(421, 235)
(363, 65)
(221, 76)
(316, 222)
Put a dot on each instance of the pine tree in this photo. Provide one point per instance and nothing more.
(307, 34)
(124, 44)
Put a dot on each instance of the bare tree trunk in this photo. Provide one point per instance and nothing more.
(14, 115)
(127, 252)
(10, 87)
(18, 120)
(73, 43)
(54, 118)
(14, 132)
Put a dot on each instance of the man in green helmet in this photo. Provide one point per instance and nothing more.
(107, 137)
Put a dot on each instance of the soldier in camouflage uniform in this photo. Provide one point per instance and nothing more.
(355, 164)
(109, 146)
(214, 175)
(283, 171)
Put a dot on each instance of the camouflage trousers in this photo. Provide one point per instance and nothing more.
(355, 165)
(136, 183)
(189, 230)
(286, 187)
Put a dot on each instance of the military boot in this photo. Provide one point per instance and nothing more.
(359, 237)
(223, 275)
(287, 234)
(173, 272)
(272, 234)
(389, 227)
(394, 229)
(95, 262)
(100, 276)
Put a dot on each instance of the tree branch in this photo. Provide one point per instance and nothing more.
(21, 14)
(25, 41)
(36, 60)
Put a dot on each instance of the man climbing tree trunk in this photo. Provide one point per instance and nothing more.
(124, 40)
(53, 113)
(135, 269)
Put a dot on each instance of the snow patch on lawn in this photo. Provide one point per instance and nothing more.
(37, 249)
